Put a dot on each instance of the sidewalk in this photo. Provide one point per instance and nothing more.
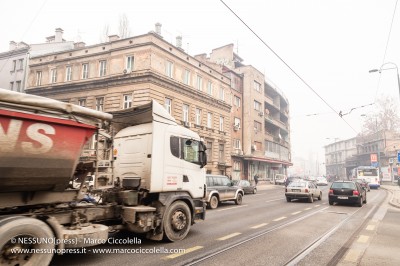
(394, 191)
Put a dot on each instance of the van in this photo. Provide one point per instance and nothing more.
(279, 179)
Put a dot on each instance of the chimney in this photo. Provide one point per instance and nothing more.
(13, 45)
(158, 28)
(59, 34)
(112, 38)
(179, 41)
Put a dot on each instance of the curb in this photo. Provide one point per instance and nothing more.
(391, 201)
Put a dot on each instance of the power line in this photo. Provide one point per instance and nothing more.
(287, 65)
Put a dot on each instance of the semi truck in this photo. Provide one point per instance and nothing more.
(153, 182)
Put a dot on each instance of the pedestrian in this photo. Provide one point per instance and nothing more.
(256, 179)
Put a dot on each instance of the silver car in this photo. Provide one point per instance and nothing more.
(302, 190)
(219, 189)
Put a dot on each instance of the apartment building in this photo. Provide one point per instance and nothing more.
(260, 116)
(14, 62)
(124, 73)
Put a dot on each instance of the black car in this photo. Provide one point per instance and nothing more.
(247, 187)
(347, 192)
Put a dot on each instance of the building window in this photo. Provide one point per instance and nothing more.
(257, 126)
(100, 104)
(68, 73)
(38, 78)
(53, 75)
(186, 77)
(199, 83)
(127, 101)
(82, 102)
(209, 150)
(14, 65)
(257, 86)
(21, 64)
(236, 166)
(85, 71)
(236, 101)
(18, 86)
(168, 105)
(198, 116)
(209, 88)
(222, 94)
(221, 157)
(103, 68)
(257, 106)
(129, 63)
(237, 122)
(236, 144)
(169, 68)
(258, 145)
(185, 113)
(221, 123)
(209, 120)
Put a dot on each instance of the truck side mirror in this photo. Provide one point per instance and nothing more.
(202, 154)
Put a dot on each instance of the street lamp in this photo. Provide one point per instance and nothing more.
(381, 69)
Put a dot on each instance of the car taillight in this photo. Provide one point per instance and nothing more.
(331, 191)
(355, 193)
(306, 190)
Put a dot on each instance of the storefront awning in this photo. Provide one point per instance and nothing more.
(267, 160)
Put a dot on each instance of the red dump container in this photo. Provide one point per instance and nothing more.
(38, 152)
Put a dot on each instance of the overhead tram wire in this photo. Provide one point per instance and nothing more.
(287, 65)
(23, 35)
(387, 44)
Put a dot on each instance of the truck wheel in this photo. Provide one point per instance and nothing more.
(177, 221)
(239, 199)
(213, 202)
(18, 233)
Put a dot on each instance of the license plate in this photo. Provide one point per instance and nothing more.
(342, 197)
(296, 190)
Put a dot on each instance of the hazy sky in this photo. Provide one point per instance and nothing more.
(331, 45)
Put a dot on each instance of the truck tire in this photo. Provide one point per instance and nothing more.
(13, 231)
(177, 221)
(214, 202)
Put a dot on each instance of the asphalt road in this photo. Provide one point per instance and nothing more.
(264, 230)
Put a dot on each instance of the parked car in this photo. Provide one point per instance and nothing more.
(363, 183)
(219, 189)
(347, 192)
(321, 181)
(302, 189)
(279, 179)
(247, 187)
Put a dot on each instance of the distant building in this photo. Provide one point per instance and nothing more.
(14, 62)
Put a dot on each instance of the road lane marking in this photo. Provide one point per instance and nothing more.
(258, 226)
(188, 250)
(363, 239)
(221, 210)
(370, 227)
(280, 218)
(229, 236)
(317, 206)
(306, 209)
(274, 200)
(294, 213)
(352, 255)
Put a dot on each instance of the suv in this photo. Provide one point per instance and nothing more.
(220, 188)
(347, 192)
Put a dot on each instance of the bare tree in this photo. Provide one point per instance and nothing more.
(104, 34)
(384, 118)
(124, 30)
